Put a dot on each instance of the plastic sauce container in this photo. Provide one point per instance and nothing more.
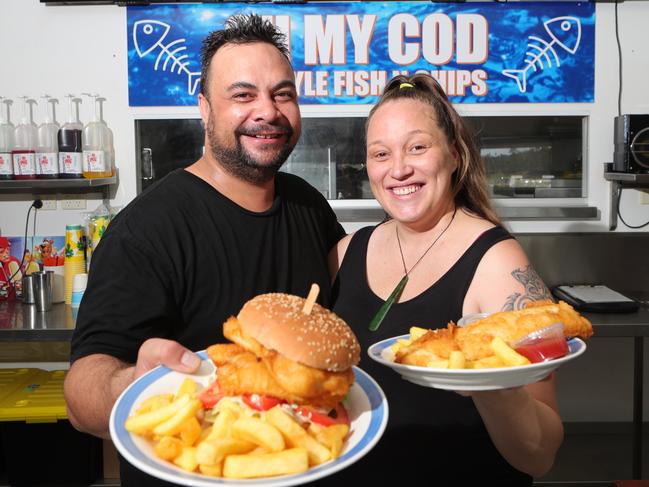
(542, 345)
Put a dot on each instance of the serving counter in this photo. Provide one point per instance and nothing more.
(20, 322)
(24, 323)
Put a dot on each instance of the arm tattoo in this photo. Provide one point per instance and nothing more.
(535, 290)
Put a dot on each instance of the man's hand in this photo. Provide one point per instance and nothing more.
(159, 351)
(94, 382)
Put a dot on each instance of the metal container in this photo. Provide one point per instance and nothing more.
(28, 289)
(43, 290)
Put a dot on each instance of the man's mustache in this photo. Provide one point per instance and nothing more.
(265, 130)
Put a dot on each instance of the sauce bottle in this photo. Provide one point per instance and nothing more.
(6, 142)
(25, 135)
(98, 152)
(47, 148)
(69, 139)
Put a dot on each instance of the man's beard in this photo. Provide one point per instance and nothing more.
(240, 163)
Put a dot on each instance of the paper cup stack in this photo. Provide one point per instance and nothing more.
(78, 287)
(75, 262)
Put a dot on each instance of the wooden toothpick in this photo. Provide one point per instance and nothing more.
(310, 299)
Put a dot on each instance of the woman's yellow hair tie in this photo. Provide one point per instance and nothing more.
(406, 85)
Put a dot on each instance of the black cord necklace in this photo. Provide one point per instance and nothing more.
(396, 293)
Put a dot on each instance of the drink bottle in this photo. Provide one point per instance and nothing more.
(25, 136)
(7, 130)
(47, 148)
(98, 152)
(69, 141)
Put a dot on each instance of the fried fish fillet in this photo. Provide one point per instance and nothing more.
(247, 367)
(474, 339)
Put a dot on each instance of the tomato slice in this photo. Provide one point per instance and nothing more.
(338, 415)
(210, 396)
(260, 402)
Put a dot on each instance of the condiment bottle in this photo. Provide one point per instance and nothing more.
(70, 146)
(26, 134)
(6, 142)
(47, 149)
(97, 144)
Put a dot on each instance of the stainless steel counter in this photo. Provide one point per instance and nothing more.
(24, 323)
(20, 322)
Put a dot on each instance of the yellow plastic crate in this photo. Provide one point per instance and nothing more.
(32, 395)
(12, 379)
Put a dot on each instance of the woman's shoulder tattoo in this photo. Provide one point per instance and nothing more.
(535, 289)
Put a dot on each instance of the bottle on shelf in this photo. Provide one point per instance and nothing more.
(25, 135)
(47, 148)
(109, 137)
(70, 145)
(98, 152)
(7, 130)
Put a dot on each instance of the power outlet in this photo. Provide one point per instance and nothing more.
(48, 204)
(644, 198)
(72, 202)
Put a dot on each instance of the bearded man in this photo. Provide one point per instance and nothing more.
(190, 251)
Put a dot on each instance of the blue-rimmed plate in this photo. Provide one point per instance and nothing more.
(472, 379)
(365, 403)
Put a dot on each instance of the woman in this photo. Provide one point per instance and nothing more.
(426, 172)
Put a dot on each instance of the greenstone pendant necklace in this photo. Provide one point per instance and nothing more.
(396, 292)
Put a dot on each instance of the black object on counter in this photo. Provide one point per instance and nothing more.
(595, 298)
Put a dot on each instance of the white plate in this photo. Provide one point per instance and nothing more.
(365, 403)
(472, 379)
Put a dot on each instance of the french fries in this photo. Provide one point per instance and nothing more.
(504, 355)
(507, 354)
(236, 442)
(456, 360)
(415, 333)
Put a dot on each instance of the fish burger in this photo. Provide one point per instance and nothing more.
(282, 354)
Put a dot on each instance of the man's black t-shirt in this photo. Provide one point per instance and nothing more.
(181, 258)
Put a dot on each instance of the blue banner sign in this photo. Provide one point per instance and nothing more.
(345, 52)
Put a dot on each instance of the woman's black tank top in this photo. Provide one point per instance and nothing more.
(434, 437)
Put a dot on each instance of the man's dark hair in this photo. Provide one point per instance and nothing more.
(240, 29)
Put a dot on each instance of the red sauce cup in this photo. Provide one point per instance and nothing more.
(542, 345)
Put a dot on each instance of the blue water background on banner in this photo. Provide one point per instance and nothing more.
(170, 65)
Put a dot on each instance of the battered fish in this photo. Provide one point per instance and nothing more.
(247, 367)
(474, 339)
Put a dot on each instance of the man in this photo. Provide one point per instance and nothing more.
(185, 255)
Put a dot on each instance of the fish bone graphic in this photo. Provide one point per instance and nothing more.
(564, 32)
(149, 35)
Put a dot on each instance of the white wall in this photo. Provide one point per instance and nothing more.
(60, 50)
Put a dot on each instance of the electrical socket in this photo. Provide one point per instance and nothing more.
(72, 202)
(49, 204)
(644, 198)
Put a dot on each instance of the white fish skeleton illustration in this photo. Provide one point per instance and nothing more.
(563, 31)
(149, 35)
